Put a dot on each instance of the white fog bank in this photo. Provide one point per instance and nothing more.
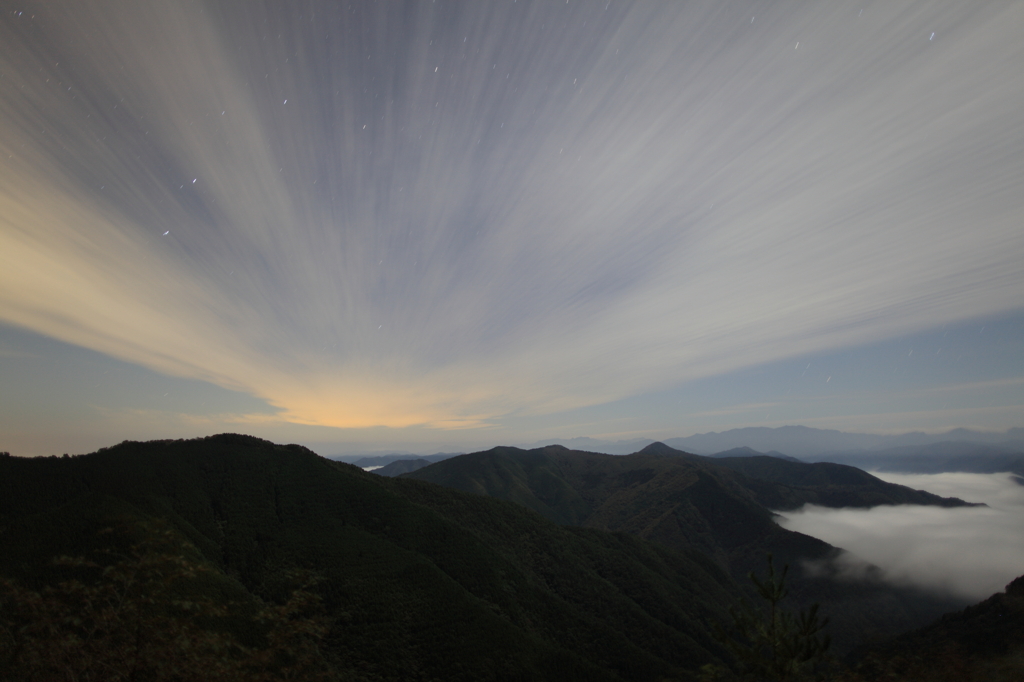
(971, 552)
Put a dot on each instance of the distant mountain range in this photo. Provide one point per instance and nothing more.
(750, 452)
(585, 444)
(804, 442)
(978, 458)
(796, 441)
(402, 466)
(366, 461)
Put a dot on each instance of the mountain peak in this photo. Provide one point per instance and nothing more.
(738, 452)
(659, 448)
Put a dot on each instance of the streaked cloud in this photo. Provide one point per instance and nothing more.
(445, 215)
(736, 409)
(982, 385)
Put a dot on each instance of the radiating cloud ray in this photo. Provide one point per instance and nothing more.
(441, 214)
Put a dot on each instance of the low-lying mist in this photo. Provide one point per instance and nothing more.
(970, 552)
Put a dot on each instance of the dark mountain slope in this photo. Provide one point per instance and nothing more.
(720, 506)
(419, 581)
(982, 643)
(685, 501)
(536, 479)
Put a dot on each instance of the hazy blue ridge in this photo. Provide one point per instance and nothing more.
(803, 441)
(947, 456)
(402, 466)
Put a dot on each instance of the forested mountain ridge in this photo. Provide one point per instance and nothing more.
(417, 581)
(681, 500)
(644, 493)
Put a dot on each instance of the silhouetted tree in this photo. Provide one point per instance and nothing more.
(769, 643)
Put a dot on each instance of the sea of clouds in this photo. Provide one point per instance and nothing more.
(970, 552)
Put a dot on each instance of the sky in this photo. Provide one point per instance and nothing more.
(971, 553)
(441, 226)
